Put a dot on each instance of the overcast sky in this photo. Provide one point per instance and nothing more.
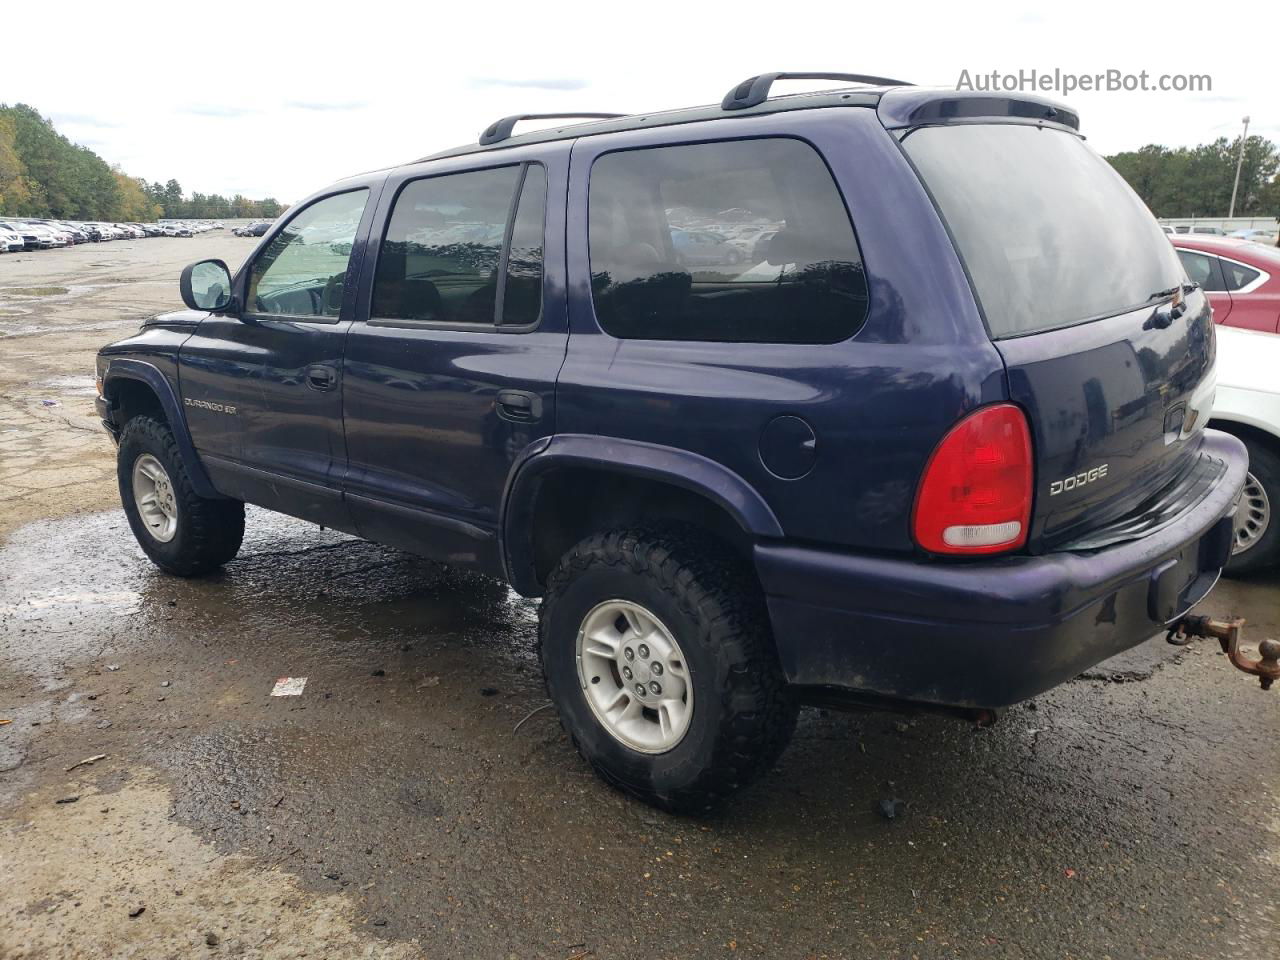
(280, 98)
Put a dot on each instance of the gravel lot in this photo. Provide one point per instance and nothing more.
(393, 810)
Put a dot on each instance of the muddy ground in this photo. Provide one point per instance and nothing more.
(394, 810)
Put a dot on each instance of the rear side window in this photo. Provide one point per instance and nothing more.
(1051, 236)
(442, 257)
(1202, 269)
(1237, 275)
(522, 295)
(739, 241)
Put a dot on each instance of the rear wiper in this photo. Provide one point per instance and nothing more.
(1184, 288)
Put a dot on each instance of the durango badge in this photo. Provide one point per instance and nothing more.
(206, 405)
(1079, 480)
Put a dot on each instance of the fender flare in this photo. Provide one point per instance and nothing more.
(680, 468)
(124, 368)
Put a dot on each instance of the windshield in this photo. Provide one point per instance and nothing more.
(1051, 236)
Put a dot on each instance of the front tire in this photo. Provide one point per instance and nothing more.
(182, 532)
(1257, 528)
(713, 714)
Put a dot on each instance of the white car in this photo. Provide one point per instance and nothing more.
(46, 237)
(10, 239)
(1247, 405)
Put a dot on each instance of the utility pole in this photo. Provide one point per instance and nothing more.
(1239, 160)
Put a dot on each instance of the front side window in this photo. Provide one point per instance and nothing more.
(442, 256)
(738, 241)
(303, 270)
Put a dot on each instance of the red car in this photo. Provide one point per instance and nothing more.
(1241, 278)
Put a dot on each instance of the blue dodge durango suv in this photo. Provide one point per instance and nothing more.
(878, 396)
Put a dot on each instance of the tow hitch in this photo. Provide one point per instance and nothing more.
(1227, 632)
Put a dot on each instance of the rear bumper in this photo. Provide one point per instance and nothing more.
(993, 633)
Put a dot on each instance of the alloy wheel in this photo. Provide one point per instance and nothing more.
(634, 676)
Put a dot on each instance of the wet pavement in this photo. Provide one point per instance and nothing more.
(1132, 814)
(394, 810)
(57, 307)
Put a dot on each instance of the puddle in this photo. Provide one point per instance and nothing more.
(8, 329)
(78, 591)
(33, 291)
(78, 385)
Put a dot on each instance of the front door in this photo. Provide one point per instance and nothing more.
(279, 364)
(450, 374)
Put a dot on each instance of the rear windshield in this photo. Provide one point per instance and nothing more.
(1050, 234)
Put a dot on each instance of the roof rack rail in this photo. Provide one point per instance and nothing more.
(500, 130)
(755, 90)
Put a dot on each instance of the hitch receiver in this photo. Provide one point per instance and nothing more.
(1227, 632)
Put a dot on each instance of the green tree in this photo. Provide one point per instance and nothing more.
(18, 194)
(1269, 199)
(173, 203)
(1196, 181)
(43, 174)
(134, 204)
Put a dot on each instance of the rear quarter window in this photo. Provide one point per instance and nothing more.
(1050, 235)
(736, 241)
(1238, 276)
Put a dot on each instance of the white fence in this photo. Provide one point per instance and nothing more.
(1228, 224)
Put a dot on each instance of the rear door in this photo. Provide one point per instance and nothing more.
(1206, 270)
(450, 370)
(1254, 290)
(1084, 297)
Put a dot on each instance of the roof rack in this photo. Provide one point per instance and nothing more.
(500, 130)
(755, 90)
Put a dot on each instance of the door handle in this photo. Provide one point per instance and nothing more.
(321, 376)
(518, 406)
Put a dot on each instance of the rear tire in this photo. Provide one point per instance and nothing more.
(693, 591)
(182, 532)
(1257, 533)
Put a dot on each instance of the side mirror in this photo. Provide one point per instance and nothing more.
(207, 286)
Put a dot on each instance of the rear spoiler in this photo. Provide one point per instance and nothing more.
(905, 107)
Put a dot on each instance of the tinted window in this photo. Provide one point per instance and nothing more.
(303, 269)
(1238, 275)
(737, 241)
(1051, 235)
(522, 295)
(1202, 269)
(441, 254)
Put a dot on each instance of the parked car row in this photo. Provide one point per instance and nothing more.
(1268, 237)
(255, 229)
(16, 235)
(194, 226)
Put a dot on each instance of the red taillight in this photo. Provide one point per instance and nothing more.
(975, 495)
